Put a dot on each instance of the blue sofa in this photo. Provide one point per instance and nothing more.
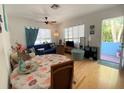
(41, 49)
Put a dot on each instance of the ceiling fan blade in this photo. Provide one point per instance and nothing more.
(53, 21)
(46, 18)
(48, 22)
(44, 22)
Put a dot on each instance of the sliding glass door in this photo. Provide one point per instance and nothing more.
(112, 41)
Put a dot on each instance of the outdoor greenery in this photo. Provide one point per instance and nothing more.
(112, 29)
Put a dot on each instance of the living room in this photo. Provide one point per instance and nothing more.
(52, 26)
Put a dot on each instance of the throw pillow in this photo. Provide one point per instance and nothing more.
(52, 45)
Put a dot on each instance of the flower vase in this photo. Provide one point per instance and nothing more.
(21, 65)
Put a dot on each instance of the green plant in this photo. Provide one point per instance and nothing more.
(112, 29)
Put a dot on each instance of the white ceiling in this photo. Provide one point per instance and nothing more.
(66, 11)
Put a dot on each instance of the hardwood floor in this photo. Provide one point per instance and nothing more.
(91, 75)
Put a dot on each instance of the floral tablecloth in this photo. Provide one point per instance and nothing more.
(39, 78)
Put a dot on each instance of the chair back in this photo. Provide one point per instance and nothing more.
(62, 75)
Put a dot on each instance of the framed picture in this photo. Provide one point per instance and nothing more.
(92, 32)
(92, 26)
(92, 29)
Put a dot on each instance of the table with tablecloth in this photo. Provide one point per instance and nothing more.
(40, 78)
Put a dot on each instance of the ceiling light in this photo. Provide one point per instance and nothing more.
(54, 6)
(56, 34)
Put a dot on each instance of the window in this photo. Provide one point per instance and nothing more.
(44, 35)
(74, 33)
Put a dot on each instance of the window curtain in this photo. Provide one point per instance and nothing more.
(31, 35)
(5, 18)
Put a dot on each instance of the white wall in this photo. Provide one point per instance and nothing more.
(4, 55)
(93, 19)
(17, 33)
(17, 28)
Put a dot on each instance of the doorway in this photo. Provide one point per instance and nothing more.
(111, 41)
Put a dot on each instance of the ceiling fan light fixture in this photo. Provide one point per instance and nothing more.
(55, 6)
(46, 21)
(56, 34)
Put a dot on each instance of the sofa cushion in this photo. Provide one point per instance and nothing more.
(51, 50)
(38, 46)
(52, 45)
(40, 49)
(47, 46)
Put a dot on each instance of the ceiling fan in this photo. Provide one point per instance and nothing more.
(48, 22)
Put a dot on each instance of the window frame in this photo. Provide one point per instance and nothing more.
(41, 39)
(73, 38)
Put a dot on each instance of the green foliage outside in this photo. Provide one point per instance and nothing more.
(112, 29)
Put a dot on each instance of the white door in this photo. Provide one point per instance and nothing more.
(122, 51)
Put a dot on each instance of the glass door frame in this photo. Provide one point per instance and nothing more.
(121, 63)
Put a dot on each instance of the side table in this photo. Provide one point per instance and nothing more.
(60, 49)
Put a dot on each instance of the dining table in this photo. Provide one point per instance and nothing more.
(40, 78)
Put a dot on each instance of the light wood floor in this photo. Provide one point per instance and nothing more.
(89, 74)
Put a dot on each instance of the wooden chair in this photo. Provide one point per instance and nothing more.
(60, 49)
(62, 75)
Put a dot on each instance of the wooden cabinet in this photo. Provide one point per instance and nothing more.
(60, 49)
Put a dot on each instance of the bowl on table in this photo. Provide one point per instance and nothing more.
(29, 67)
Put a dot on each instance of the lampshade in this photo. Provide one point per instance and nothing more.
(56, 34)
